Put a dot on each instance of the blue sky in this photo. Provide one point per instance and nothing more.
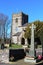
(34, 8)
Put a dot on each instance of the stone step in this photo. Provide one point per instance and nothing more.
(31, 60)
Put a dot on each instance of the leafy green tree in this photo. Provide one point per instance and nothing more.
(38, 30)
(27, 32)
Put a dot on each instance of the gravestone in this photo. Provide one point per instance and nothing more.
(32, 46)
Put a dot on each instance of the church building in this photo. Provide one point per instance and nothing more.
(19, 23)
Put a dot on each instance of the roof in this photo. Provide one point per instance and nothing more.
(26, 24)
(17, 34)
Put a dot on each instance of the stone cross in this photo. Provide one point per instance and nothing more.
(32, 46)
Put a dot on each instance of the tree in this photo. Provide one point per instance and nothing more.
(38, 30)
(3, 19)
(27, 32)
(41, 38)
(39, 25)
(8, 30)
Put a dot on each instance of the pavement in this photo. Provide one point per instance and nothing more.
(21, 62)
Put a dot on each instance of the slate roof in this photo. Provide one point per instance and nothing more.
(25, 24)
(17, 34)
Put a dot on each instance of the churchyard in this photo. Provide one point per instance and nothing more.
(11, 52)
(31, 52)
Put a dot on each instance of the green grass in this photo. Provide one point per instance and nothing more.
(15, 46)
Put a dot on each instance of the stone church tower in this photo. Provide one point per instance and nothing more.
(18, 21)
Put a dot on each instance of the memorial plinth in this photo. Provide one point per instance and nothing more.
(31, 54)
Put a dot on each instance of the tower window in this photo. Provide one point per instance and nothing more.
(16, 20)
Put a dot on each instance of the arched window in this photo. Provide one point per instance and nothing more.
(22, 41)
(16, 24)
(16, 20)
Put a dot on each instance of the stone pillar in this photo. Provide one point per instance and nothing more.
(32, 46)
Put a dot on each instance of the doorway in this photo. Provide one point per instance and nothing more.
(22, 41)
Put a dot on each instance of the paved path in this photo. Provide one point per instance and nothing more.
(21, 62)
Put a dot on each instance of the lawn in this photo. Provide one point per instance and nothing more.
(15, 46)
